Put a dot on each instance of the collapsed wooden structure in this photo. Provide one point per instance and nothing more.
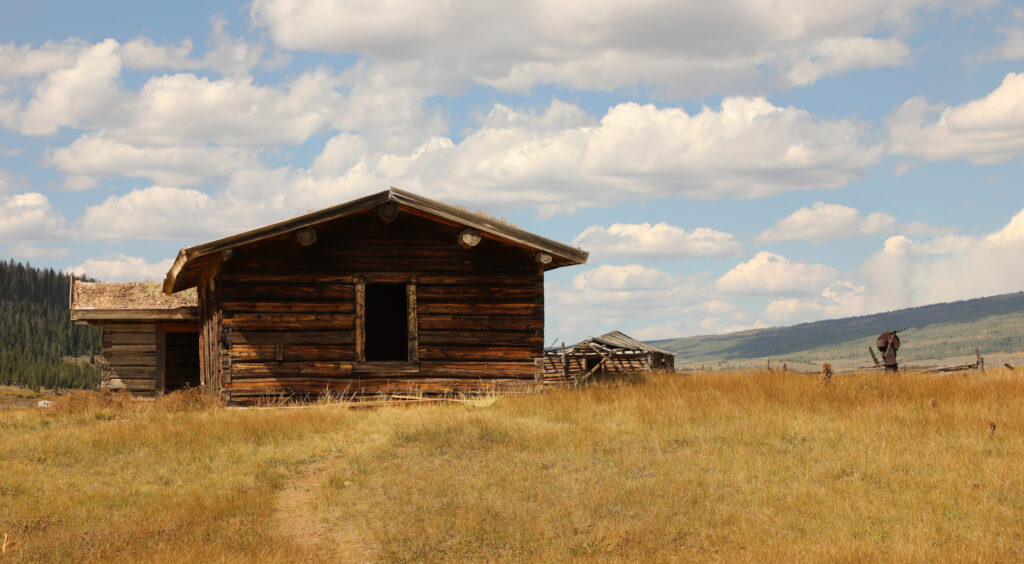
(613, 352)
(390, 292)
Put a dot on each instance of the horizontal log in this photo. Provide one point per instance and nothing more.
(298, 353)
(240, 337)
(492, 309)
(128, 339)
(241, 370)
(483, 322)
(428, 353)
(483, 369)
(293, 278)
(504, 281)
(459, 294)
(130, 359)
(268, 292)
(339, 306)
(129, 373)
(386, 368)
(480, 337)
(128, 349)
(356, 266)
(289, 321)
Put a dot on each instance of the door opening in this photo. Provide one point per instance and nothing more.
(181, 361)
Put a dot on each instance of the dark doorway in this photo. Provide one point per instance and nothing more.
(589, 363)
(387, 322)
(181, 361)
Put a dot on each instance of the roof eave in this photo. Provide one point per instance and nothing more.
(569, 255)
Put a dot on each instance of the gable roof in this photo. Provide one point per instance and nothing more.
(184, 273)
(619, 340)
(134, 301)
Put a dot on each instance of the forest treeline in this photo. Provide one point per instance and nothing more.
(37, 338)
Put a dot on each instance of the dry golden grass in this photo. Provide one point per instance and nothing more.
(715, 466)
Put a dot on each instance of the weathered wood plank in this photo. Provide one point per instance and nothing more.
(292, 352)
(339, 306)
(500, 323)
(289, 321)
(241, 370)
(476, 353)
(268, 292)
(245, 337)
(129, 373)
(478, 308)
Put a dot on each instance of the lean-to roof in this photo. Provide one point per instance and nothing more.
(193, 260)
(129, 301)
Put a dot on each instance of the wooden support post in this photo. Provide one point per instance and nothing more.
(388, 212)
(981, 361)
(226, 254)
(414, 351)
(873, 357)
(306, 236)
(279, 352)
(469, 238)
(360, 317)
(565, 366)
(161, 362)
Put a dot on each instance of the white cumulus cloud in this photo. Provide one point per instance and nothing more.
(686, 49)
(29, 216)
(827, 222)
(770, 273)
(660, 240)
(983, 131)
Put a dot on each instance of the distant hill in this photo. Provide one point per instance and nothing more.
(39, 347)
(994, 324)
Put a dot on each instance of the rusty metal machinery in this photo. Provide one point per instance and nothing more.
(887, 344)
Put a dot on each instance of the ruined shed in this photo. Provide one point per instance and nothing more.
(613, 352)
(392, 292)
(150, 340)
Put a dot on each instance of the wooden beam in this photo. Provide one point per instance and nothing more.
(360, 321)
(543, 258)
(226, 254)
(178, 314)
(414, 347)
(388, 211)
(161, 362)
(306, 236)
(469, 238)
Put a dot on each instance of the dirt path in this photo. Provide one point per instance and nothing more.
(298, 519)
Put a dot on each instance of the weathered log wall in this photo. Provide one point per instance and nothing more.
(129, 358)
(289, 318)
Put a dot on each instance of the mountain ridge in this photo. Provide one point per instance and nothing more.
(948, 329)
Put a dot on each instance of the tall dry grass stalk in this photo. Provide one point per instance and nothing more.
(712, 466)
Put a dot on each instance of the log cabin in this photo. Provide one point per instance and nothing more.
(389, 293)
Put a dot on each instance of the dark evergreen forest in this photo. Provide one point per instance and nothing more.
(37, 339)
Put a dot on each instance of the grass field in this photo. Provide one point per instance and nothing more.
(711, 466)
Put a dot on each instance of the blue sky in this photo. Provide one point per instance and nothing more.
(728, 165)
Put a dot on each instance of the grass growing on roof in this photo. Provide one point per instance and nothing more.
(742, 465)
